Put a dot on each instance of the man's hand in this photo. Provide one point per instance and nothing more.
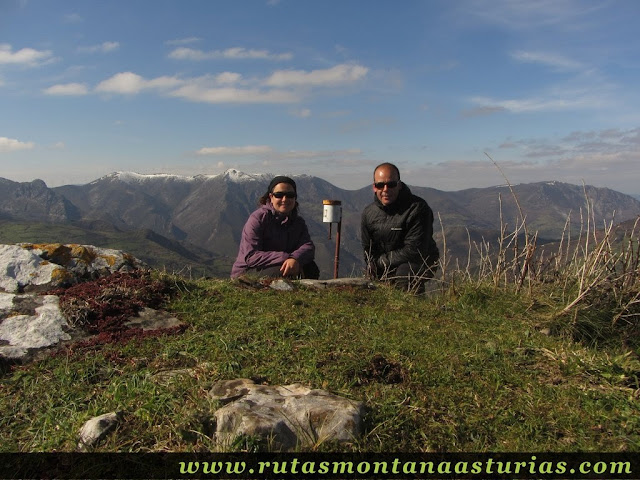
(290, 268)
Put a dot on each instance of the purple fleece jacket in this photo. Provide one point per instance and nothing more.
(269, 238)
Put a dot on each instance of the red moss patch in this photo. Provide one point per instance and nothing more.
(103, 306)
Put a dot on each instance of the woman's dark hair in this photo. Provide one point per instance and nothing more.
(277, 180)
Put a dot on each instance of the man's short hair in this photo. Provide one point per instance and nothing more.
(386, 165)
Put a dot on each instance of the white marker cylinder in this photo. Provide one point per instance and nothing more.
(332, 211)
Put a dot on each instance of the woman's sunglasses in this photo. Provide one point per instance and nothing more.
(284, 194)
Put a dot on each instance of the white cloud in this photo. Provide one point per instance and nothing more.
(308, 154)
(338, 75)
(225, 87)
(267, 155)
(24, 56)
(606, 158)
(548, 59)
(104, 47)
(125, 82)
(198, 93)
(525, 14)
(163, 82)
(557, 100)
(13, 145)
(68, 89)
(226, 78)
(243, 150)
(237, 53)
(606, 143)
(129, 83)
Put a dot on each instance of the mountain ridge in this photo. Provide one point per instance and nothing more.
(200, 218)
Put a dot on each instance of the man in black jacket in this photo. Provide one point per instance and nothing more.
(397, 233)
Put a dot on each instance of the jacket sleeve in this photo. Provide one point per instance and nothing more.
(366, 240)
(419, 231)
(252, 245)
(305, 249)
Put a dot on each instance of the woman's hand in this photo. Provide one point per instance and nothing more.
(290, 268)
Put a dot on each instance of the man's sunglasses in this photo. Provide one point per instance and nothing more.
(284, 194)
(381, 185)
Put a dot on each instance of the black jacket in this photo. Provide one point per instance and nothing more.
(398, 233)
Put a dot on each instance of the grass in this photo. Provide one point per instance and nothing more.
(473, 372)
(516, 351)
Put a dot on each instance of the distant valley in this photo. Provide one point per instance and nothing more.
(192, 225)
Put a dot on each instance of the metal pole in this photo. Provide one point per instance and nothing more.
(336, 262)
(332, 213)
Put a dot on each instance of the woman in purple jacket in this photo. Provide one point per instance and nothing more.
(275, 240)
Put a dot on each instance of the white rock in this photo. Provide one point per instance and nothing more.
(95, 429)
(285, 417)
(6, 303)
(44, 328)
(20, 267)
(281, 284)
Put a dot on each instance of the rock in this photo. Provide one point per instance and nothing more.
(37, 322)
(30, 322)
(284, 417)
(338, 282)
(94, 430)
(286, 285)
(20, 268)
(150, 319)
(85, 261)
(40, 267)
(165, 377)
(281, 284)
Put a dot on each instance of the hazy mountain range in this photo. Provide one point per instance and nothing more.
(181, 222)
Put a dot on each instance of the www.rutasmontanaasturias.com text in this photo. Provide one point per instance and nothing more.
(399, 467)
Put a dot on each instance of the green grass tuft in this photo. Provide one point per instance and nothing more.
(464, 371)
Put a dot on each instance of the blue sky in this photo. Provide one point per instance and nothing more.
(447, 90)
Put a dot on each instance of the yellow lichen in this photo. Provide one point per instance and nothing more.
(56, 252)
(110, 259)
(61, 275)
(84, 254)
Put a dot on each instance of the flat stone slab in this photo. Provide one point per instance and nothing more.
(150, 319)
(338, 282)
(284, 417)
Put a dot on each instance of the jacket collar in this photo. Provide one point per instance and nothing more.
(282, 218)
